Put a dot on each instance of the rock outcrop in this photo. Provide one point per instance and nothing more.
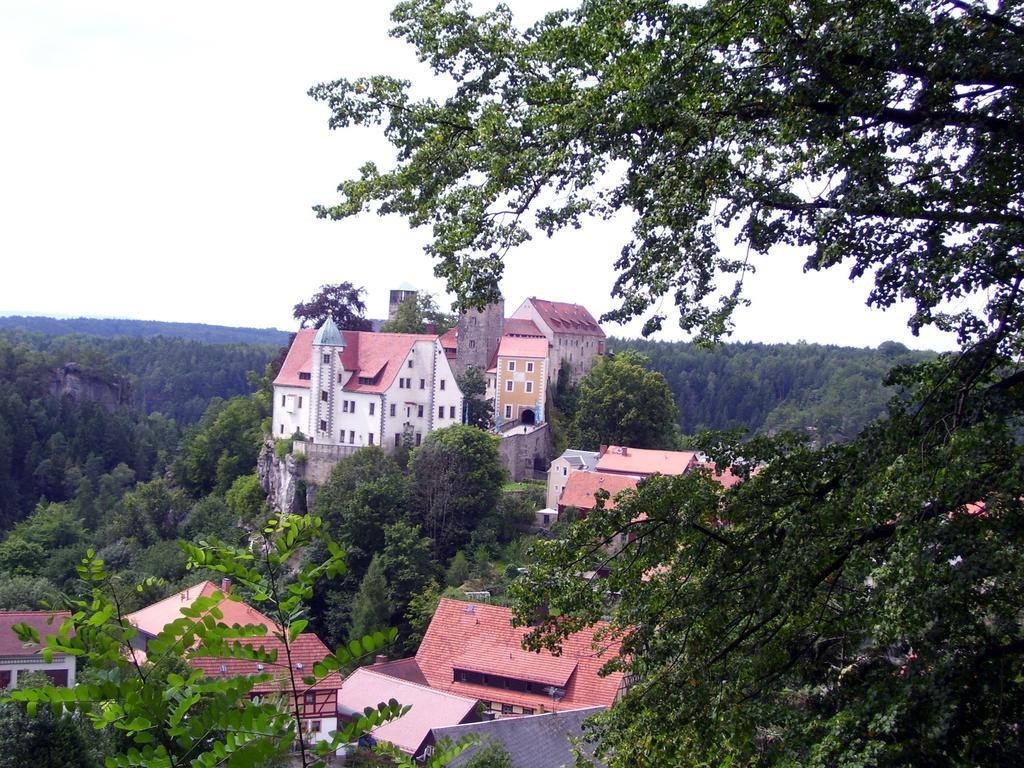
(281, 479)
(83, 386)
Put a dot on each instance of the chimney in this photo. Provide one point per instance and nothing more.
(380, 658)
(225, 585)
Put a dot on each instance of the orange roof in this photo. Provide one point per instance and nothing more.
(567, 318)
(153, 618)
(377, 356)
(306, 650)
(643, 461)
(44, 622)
(463, 635)
(581, 488)
(430, 708)
(726, 478)
(516, 326)
(521, 346)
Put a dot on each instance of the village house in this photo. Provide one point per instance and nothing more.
(429, 708)
(581, 489)
(558, 473)
(353, 388)
(643, 462)
(472, 650)
(18, 658)
(318, 703)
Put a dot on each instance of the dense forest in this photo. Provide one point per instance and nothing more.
(828, 391)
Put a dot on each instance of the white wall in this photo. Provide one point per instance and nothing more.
(289, 415)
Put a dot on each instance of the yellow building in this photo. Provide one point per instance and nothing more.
(520, 378)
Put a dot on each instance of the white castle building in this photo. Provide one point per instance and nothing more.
(357, 388)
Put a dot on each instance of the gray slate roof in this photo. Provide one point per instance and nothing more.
(586, 460)
(533, 741)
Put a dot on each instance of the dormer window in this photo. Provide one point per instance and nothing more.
(326, 359)
(303, 376)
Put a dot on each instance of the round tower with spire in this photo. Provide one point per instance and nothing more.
(328, 344)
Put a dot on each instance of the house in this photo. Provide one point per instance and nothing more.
(558, 474)
(581, 489)
(429, 708)
(18, 658)
(152, 619)
(534, 741)
(317, 704)
(643, 462)
(573, 333)
(354, 388)
(520, 381)
(472, 650)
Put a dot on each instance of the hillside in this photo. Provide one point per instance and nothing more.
(110, 328)
(826, 390)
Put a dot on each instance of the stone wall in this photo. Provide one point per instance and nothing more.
(524, 447)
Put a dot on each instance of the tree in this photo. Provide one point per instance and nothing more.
(717, 115)
(623, 403)
(458, 570)
(845, 605)
(417, 313)
(473, 385)
(457, 475)
(48, 739)
(371, 609)
(342, 302)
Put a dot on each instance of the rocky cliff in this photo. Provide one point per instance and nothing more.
(83, 386)
(281, 479)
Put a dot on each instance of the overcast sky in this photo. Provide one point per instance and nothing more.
(160, 160)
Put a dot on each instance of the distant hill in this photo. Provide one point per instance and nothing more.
(111, 328)
(826, 391)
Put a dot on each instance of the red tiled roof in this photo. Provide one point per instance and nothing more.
(581, 487)
(726, 478)
(44, 622)
(643, 461)
(153, 618)
(519, 346)
(515, 662)
(474, 633)
(450, 339)
(430, 708)
(404, 669)
(377, 356)
(306, 650)
(299, 360)
(567, 318)
(516, 326)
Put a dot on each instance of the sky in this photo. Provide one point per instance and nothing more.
(160, 161)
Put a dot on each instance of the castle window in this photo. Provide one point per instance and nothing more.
(442, 385)
(401, 383)
(304, 376)
(423, 383)
(300, 401)
(529, 387)
(508, 385)
(472, 343)
(511, 365)
(508, 411)
(451, 412)
(369, 439)
(323, 425)
(341, 437)
(282, 429)
(419, 411)
(440, 412)
(323, 395)
(419, 438)
(410, 363)
(326, 359)
(392, 410)
(344, 405)
(529, 367)
(373, 408)
(398, 439)
(351, 436)
(282, 401)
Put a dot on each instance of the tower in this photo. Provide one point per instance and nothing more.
(328, 344)
(480, 333)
